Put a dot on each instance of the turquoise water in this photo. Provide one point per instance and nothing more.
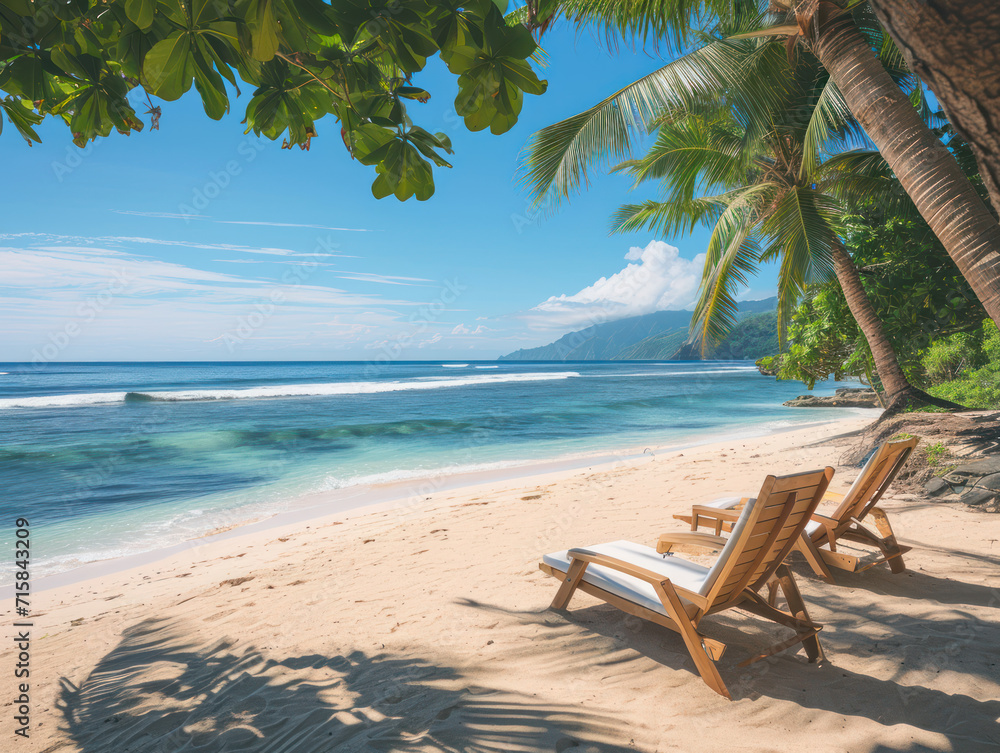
(113, 459)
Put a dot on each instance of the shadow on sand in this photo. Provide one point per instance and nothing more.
(155, 692)
(955, 641)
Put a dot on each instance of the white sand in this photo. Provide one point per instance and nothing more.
(425, 628)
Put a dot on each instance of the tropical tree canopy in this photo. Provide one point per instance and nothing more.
(753, 163)
(79, 60)
(914, 286)
(843, 35)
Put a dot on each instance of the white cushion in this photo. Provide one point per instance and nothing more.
(812, 526)
(723, 503)
(680, 572)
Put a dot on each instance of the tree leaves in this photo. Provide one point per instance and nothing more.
(140, 12)
(493, 77)
(403, 173)
(263, 27)
(168, 67)
(304, 60)
(22, 117)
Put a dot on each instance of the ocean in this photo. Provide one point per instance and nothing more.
(112, 459)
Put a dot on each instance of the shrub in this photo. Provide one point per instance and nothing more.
(954, 356)
(977, 388)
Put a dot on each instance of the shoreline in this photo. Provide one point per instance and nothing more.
(426, 627)
(344, 503)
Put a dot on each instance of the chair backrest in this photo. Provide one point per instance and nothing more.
(874, 479)
(765, 532)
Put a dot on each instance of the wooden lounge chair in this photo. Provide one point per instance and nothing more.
(673, 592)
(819, 540)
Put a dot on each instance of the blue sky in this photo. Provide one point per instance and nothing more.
(291, 256)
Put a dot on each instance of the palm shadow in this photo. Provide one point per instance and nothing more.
(909, 584)
(607, 632)
(964, 720)
(158, 691)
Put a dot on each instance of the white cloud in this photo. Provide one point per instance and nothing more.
(382, 279)
(656, 279)
(430, 341)
(176, 216)
(461, 329)
(86, 300)
(130, 240)
(296, 262)
(161, 215)
(294, 224)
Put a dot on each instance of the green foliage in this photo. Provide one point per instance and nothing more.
(916, 290)
(935, 453)
(824, 339)
(949, 357)
(977, 387)
(979, 391)
(304, 59)
(769, 365)
(754, 336)
(991, 342)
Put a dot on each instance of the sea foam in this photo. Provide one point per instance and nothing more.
(275, 391)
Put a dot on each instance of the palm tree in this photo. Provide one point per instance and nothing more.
(843, 36)
(766, 198)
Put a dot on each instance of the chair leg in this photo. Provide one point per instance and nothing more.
(702, 660)
(796, 618)
(772, 592)
(573, 577)
(889, 546)
(814, 558)
(793, 597)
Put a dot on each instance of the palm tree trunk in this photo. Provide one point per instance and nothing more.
(954, 46)
(927, 171)
(899, 393)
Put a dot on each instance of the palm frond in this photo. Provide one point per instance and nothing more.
(859, 178)
(690, 154)
(667, 22)
(716, 311)
(557, 160)
(802, 230)
(831, 127)
(732, 256)
(666, 217)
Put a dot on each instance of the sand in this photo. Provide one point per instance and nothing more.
(426, 628)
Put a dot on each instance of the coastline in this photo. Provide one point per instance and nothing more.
(362, 499)
(426, 628)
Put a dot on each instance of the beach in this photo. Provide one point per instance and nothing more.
(423, 625)
(117, 460)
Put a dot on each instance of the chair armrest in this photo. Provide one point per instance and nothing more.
(695, 538)
(829, 527)
(636, 571)
(717, 517)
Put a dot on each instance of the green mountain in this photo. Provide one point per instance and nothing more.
(660, 336)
